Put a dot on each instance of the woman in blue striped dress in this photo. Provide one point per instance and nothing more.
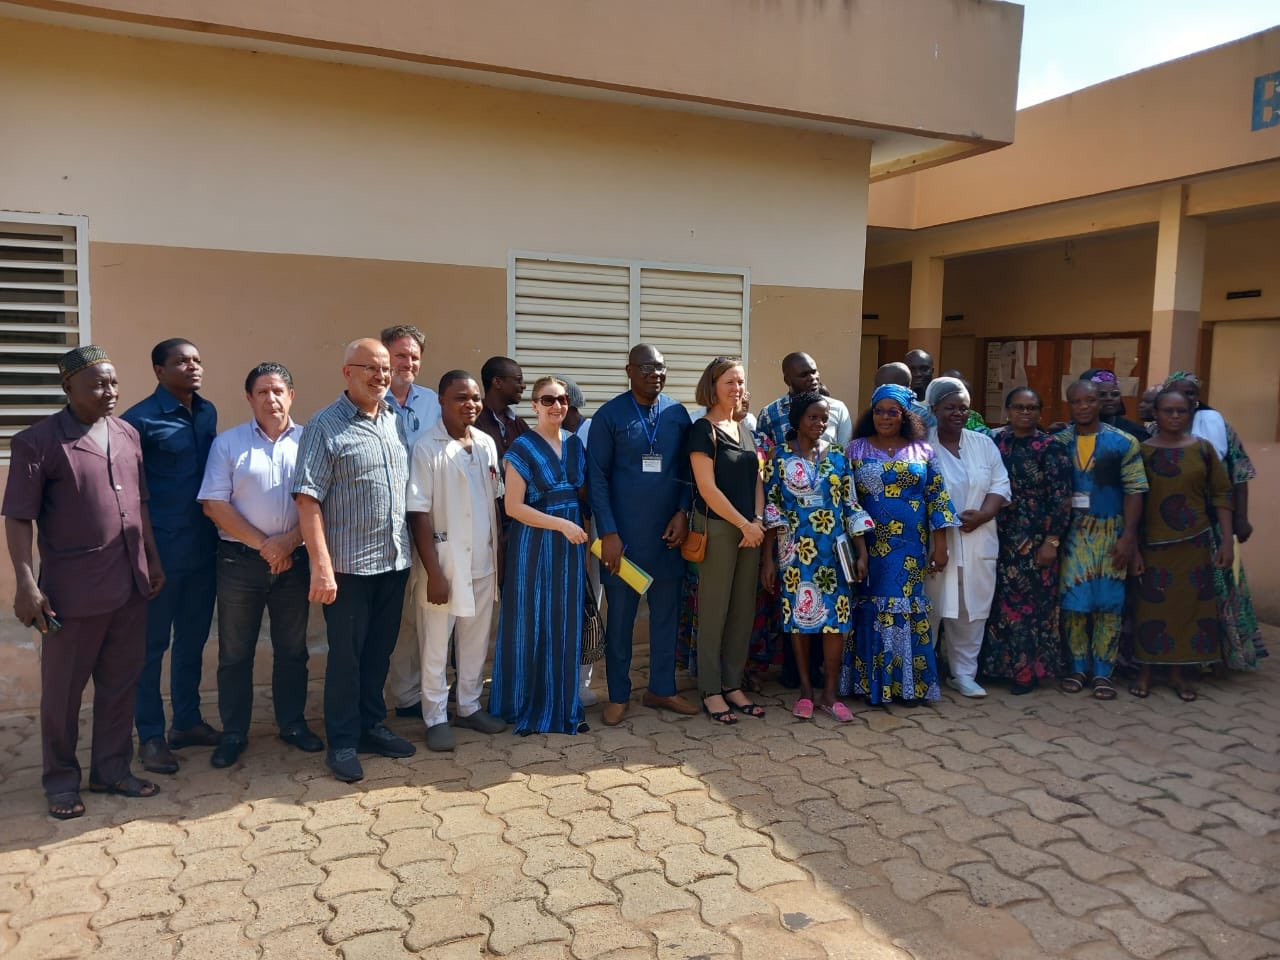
(535, 665)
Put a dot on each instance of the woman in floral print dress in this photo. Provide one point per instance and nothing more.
(809, 509)
(1023, 642)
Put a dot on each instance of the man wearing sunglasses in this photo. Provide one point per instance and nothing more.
(639, 492)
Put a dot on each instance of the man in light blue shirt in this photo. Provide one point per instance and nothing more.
(418, 409)
(248, 493)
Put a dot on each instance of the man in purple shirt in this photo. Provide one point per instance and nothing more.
(77, 476)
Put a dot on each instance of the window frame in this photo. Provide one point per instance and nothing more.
(83, 328)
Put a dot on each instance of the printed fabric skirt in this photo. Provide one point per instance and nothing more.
(890, 654)
(1175, 613)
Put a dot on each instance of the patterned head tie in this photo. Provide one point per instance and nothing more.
(1104, 376)
(942, 387)
(891, 391)
(73, 361)
(1178, 375)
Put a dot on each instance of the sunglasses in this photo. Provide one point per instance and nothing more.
(550, 400)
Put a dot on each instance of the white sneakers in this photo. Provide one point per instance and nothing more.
(966, 687)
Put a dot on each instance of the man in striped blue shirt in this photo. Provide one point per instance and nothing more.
(349, 486)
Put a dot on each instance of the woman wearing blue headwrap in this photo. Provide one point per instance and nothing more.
(899, 484)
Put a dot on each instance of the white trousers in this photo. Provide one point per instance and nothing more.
(404, 674)
(964, 637)
(471, 645)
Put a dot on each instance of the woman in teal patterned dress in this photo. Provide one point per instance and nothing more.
(899, 485)
(809, 508)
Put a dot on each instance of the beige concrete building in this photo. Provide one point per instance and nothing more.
(554, 181)
(1133, 225)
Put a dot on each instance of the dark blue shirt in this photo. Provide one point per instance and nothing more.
(175, 448)
(624, 499)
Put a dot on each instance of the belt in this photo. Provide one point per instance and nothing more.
(235, 546)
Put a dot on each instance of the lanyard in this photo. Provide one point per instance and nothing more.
(645, 422)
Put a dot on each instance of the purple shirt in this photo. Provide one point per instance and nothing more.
(87, 510)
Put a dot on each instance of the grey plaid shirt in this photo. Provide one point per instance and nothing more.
(357, 468)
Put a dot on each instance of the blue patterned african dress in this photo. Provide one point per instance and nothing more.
(893, 651)
(811, 506)
(535, 662)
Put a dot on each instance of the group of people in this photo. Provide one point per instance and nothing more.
(416, 516)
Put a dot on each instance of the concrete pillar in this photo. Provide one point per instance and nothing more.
(925, 326)
(1175, 308)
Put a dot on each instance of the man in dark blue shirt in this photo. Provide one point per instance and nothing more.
(176, 426)
(639, 489)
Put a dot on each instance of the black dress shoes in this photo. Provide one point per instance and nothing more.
(413, 710)
(228, 750)
(156, 758)
(299, 735)
(380, 740)
(201, 735)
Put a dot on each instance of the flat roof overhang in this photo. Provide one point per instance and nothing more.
(925, 81)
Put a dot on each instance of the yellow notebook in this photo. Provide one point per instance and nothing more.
(634, 577)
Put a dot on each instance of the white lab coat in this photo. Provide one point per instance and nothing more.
(977, 472)
(438, 486)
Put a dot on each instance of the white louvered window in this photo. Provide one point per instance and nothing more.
(579, 318)
(44, 312)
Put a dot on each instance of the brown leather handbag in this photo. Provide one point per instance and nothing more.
(694, 548)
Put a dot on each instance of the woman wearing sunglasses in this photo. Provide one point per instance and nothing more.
(535, 663)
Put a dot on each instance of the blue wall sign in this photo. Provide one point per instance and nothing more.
(1266, 101)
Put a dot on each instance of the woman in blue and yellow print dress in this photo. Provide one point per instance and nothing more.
(899, 485)
(809, 506)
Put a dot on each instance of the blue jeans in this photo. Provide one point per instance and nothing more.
(362, 625)
(246, 587)
(620, 620)
(183, 610)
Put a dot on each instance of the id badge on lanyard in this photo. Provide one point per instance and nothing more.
(651, 463)
(1080, 501)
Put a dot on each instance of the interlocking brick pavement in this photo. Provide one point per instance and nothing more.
(1014, 828)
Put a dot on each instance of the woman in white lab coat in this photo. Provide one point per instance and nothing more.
(975, 475)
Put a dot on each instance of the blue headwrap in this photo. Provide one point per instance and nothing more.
(892, 391)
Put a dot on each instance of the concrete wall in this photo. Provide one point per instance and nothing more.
(944, 67)
(269, 207)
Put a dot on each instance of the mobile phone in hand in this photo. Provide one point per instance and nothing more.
(52, 624)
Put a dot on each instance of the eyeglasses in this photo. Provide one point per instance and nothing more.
(647, 368)
(517, 380)
(1025, 407)
(550, 400)
(384, 371)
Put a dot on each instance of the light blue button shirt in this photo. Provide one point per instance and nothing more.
(421, 412)
(254, 475)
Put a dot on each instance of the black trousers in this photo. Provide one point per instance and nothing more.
(247, 587)
(362, 625)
